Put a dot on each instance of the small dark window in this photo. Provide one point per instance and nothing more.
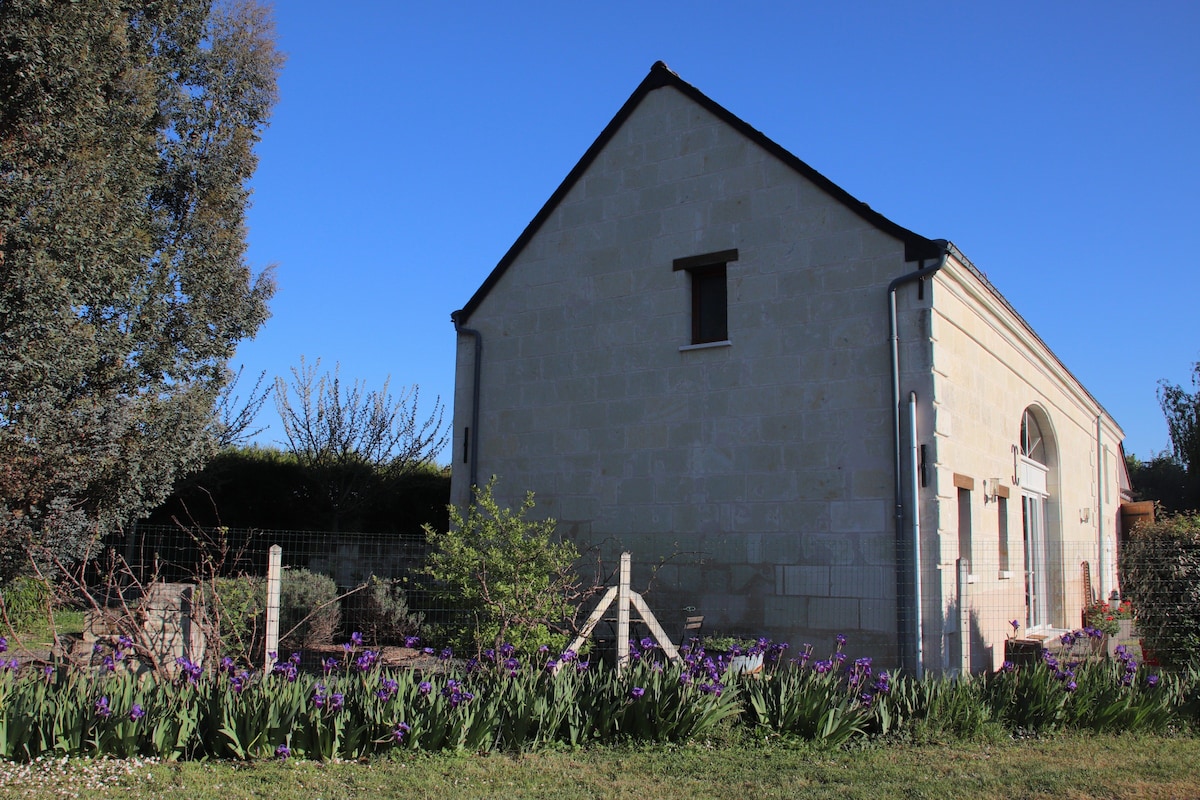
(710, 305)
(710, 295)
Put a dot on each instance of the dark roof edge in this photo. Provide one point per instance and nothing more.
(915, 246)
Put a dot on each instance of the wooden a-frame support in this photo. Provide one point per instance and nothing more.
(625, 597)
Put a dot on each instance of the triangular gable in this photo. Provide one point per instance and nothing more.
(915, 246)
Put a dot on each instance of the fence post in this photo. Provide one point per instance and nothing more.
(274, 579)
(963, 573)
(623, 613)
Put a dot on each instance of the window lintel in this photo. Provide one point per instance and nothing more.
(705, 260)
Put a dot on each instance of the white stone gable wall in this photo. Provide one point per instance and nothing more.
(763, 469)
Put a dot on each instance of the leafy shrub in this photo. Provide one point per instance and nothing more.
(309, 613)
(726, 644)
(308, 609)
(240, 606)
(382, 612)
(512, 574)
(25, 599)
(1160, 573)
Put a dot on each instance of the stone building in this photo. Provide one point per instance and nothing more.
(704, 351)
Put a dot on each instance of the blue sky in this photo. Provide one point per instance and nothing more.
(1057, 144)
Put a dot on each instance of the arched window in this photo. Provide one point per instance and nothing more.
(1033, 444)
(1033, 471)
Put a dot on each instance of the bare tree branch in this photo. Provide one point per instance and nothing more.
(348, 435)
(233, 418)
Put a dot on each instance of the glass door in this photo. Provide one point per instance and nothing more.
(1033, 513)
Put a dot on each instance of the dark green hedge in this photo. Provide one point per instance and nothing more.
(264, 488)
(1160, 573)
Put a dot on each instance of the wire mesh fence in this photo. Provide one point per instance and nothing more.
(354, 561)
(974, 613)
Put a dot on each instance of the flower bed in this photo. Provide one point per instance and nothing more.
(505, 700)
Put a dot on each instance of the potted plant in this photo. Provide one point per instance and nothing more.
(740, 654)
(1115, 620)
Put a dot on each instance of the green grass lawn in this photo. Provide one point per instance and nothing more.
(38, 635)
(1066, 766)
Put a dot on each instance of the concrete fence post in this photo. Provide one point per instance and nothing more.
(274, 580)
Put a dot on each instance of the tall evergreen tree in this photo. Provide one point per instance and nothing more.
(126, 145)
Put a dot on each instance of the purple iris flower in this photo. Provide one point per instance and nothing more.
(387, 689)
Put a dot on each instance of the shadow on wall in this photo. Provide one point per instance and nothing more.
(980, 654)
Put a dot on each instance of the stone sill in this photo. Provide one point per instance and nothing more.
(706, 345)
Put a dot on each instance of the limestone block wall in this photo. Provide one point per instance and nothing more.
(988, 367)
(760, 469)
(170, 628)
(167, 620)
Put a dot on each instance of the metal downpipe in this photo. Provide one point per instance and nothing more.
(914, 466)
(901, 541)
